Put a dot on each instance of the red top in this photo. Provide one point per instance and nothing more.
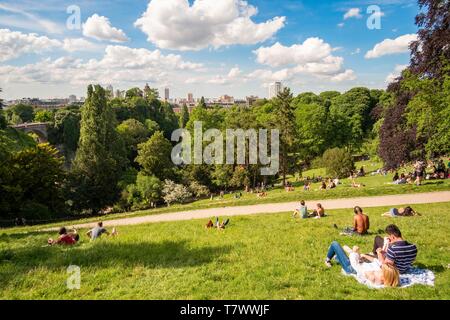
(66, 239)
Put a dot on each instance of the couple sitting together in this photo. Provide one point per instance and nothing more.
(391, 257)
(302, 211)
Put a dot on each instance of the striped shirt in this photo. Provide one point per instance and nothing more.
(403, 254)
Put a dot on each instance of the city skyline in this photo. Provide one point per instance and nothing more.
(306, 45)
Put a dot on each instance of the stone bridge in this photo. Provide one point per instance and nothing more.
(39, 128)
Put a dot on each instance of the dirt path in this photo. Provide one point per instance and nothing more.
(364, 202)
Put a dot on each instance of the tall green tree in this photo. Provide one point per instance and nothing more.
(154, 156)
(100, 158)
(284, 117)
(184, 116)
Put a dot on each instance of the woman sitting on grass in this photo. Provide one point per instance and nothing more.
(364, 266)
(318, 213)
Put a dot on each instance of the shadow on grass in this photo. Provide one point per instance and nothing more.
(436, 268)
(167, 254)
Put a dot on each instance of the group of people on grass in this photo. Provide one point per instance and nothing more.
(71, 236)
(390, 257)
(302, 211)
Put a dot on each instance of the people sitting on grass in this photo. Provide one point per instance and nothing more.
(217, 224)
(395, 177)
(261, 194)
(361, 223)
(323, 186)
(98, 230)
(396, 251)
(357, 185)
(401, 179)
(307, 186)
(401, 212)
(302, 211)
(66, 237)
(365, 266)
(331, 184)
(318, 213)
(289, 187)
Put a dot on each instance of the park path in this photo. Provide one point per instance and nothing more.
(364, 202)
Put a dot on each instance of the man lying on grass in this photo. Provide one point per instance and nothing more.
(97, 231)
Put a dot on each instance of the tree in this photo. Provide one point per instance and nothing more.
(198, 190)
(134, 93)
(1, 101)
(154, 156)
(149, 188)
(66, 131)
(31, 183)
(133, 133)
(351, 119)
(338, 162)
(150, 93)
(99, 160)
(431, 52)
(43, 116)
(21, 113)
(184, 116)
(285, 122)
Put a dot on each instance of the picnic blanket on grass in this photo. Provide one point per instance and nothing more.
(414, 276)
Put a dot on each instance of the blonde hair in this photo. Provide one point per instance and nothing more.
(391, 275)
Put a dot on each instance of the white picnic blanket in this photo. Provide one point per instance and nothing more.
(414, 276)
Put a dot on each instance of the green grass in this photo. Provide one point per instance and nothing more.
(375, 185)
(257, 257)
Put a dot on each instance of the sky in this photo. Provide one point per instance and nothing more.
(55, 48)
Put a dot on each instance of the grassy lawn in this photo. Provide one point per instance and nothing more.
(257, 257)
(375, 185)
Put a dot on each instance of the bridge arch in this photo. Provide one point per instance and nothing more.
(40, 129)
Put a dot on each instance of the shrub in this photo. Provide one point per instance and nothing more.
(338, 162)
(175, 193)
(198, 190)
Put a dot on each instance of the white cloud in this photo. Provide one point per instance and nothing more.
(313, 57)
(353, 13)
(391, 46)
(14, 44)
(357, 51)
(341, 25)
(311, 50)
(232, 76)
(118, 65)
(20, 18)
(79, 44)
(99, 27)
(396, 73)
(175, 24)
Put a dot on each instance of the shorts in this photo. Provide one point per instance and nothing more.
(394, 212)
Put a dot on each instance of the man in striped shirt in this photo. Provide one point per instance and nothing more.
(399, 252)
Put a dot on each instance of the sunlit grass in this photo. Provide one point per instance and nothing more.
(257, 257)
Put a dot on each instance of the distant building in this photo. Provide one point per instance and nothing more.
(190, 98)
(274, 89)
(226, 99)
(72, 98)
(166, 94)
(110, 88)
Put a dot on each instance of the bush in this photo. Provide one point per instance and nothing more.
(338, 162)
(175, 193)
(198, 190)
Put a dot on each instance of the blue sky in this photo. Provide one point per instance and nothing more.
(207, 47)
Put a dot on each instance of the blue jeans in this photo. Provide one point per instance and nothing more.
(336, 250)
